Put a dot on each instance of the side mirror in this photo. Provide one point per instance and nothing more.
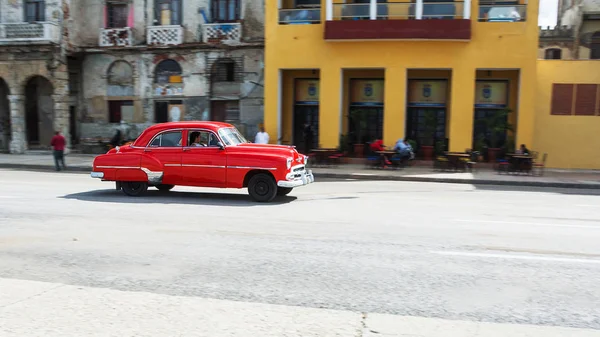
(221, 146)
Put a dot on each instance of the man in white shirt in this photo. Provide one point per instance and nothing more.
(261, 137)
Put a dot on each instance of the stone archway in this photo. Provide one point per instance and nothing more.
(5, 127)
(39, 111)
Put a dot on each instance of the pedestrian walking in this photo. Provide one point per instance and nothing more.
(262, 137)
(58, 145)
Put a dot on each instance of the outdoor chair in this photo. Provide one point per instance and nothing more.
(540, 166)
(336, 159)
(440, 163)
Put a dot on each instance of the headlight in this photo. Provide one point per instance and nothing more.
(305, 160)
(289, 163)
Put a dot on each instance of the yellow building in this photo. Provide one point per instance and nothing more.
(407, 67)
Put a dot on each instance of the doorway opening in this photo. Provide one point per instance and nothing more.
(5, 128)
(39, 111)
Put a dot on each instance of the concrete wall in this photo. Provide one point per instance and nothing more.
(570, 141)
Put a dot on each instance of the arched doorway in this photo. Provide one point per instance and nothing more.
(5, 129)
(39, 111)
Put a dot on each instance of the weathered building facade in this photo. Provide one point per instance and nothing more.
(125, 64)
(577, 34)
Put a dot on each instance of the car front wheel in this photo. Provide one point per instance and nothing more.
(262, 187)
(281, 191)
(163, 187)
(134, 188)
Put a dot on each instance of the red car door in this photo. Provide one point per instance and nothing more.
(167, 148)
(203, 162)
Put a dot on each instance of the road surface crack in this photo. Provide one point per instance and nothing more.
(363, 325)
(32, 296)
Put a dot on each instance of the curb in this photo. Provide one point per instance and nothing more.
(354, 176)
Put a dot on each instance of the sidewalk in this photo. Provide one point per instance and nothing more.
(551, 178)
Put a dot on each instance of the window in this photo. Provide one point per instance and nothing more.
(225, 10)
(167, 139)
(117, 13)
(120, 110)
(224, 71)
(553, 54)
(168, 12)
(202, 139)
(231, 136)
(35, 10)
(595, 47)
(168, 71)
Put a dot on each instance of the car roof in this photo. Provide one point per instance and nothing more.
(147, 134)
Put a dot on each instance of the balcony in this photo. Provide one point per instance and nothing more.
(26, 33)
(165, 35)
(115, 37)
(221, 32)
(300, 16)
(398, 21)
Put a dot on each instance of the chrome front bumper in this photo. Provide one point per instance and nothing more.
(306, 177)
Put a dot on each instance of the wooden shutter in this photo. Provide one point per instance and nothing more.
(585, 99)
(562, 99)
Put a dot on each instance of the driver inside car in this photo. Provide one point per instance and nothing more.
(195, 137)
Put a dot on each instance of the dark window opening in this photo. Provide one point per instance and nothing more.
(553, 54)
(117, 15)
(595, 47)
(35, 10)
(225, 71)
(168, 71)
(225, 10)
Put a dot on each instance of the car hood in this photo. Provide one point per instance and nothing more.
(284, 150)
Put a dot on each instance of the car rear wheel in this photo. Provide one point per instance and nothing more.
(134, 188)
(281, 191)
(163, 187)
(262, 187)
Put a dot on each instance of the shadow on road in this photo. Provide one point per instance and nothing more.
(507, 188)
(175, 197)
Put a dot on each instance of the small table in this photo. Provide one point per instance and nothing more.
(322, 154)
(454, 158)
(521, 162)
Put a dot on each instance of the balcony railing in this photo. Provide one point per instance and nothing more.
(399, 10)
(29, 32)
(165, 35)
(115, 37)
(221, 32)
(502, 13)
(299, 16)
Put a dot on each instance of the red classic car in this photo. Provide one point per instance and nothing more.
(203, 154)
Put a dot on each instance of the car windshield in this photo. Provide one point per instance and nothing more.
(231, 136)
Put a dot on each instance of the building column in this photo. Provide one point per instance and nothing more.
(273, 104)
(394, 111)
(18, 144)
(462, 101)
(526, 108)
(330, 107)
(61, 117)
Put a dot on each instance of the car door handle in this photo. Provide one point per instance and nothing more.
(185, 149)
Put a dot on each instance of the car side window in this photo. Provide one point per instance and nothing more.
(168, 139)
(202, 138)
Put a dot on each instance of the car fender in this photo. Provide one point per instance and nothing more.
(153, 169)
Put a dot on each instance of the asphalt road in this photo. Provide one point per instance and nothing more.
(460, 252)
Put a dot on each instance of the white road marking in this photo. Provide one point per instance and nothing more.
(527, 223)
(517, 257)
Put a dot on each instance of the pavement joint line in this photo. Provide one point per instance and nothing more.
(527, 223)
(41, 293)
(517, 257)
(370, 177)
